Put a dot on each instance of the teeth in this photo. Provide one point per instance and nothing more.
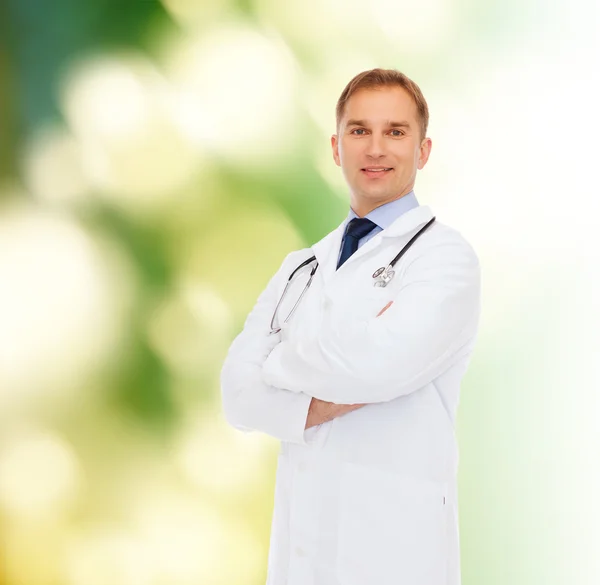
(377, 170)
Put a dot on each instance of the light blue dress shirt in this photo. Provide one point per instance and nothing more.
(384, 215)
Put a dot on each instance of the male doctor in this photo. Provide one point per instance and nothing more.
(359, 382)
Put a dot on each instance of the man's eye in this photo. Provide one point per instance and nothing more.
(397, 133)
(357, 130)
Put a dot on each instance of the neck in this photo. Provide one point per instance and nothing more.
(363, 207)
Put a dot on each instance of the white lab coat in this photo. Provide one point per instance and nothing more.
(370, 497)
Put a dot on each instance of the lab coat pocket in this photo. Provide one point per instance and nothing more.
(392, 528)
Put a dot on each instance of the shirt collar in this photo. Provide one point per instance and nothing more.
(386, 214)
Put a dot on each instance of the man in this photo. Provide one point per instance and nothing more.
(361, 382)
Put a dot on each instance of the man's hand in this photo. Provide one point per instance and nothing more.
(320, 411)
(385, 309)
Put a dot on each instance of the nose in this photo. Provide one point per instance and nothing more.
(375, 147)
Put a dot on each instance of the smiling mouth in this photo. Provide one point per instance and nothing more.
(375, 172)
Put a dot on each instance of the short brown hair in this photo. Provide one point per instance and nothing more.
(378, 78)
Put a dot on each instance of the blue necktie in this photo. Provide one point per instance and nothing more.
(356, 229)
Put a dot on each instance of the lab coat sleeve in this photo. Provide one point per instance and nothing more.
(347, 361)
(249, 404)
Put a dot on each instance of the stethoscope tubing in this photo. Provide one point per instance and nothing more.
(287, 284)
(312, 274)
(410, 243)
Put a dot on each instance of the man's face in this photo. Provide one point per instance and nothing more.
(379, 146)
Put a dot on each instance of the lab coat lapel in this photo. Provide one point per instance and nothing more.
(327, 252)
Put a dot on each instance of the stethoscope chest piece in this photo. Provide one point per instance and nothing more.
(383, 276)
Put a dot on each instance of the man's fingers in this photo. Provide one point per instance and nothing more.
(385, 308)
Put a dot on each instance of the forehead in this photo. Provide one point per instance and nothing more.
(380, 104)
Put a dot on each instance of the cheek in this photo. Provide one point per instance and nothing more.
(408, 158)
(347, 155)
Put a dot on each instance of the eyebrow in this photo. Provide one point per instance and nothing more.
(403, 124)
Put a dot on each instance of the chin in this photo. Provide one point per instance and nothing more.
(376, 195)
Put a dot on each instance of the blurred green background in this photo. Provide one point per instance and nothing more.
(157, 162)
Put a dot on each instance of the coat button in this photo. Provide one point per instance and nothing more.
(300, 552)
(302, 466)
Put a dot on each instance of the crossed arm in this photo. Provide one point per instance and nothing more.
(348, 361)
(285, 388)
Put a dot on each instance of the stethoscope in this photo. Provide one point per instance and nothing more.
(382, 277)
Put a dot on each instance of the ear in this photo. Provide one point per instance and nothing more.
(335, 149)
(424, 151)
